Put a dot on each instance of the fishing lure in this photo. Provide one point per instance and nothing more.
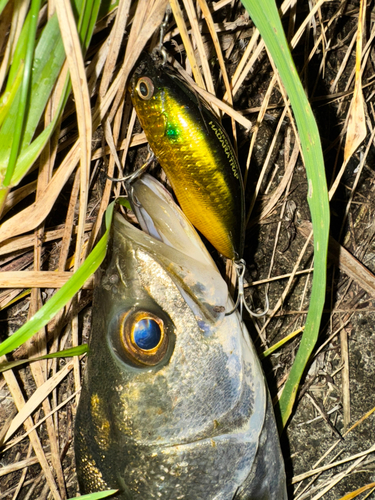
(195, 153)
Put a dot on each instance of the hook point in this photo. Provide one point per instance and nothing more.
(241, 301)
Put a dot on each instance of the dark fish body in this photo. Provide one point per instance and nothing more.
(195, 152)
(174, 403)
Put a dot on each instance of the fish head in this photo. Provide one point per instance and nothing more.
(174, 399)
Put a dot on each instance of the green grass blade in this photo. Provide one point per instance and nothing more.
(106, 7)
(96, 496)
(48, 59)
(47, 63)
(66, 353)
(24, 92)
(9, 95)
(19, 53)
(3, 4)
(281, 343)
(266, 18)
(62, 296)
(87, 22)
(47, 71)
(29, 155)
(124, 202)
(20, 296)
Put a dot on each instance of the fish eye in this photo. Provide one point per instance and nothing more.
(146, 334)
(145, 88)
(143, 337)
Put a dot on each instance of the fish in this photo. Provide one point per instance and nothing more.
(194, 150)
(174, 404)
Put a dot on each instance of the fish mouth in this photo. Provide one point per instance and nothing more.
(210, 441)
(170, 239)
(201, 287)
(160, 217)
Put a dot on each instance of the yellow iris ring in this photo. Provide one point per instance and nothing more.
(145, 316)
(137, 355)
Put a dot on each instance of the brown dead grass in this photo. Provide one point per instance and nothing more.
(37, 403)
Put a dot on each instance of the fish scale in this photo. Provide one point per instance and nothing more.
(195, 153)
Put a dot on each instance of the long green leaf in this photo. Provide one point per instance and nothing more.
(51, 35)
(62, 296)
(24, 92)
(96, 496)
(47, 63)
(8, 96)
(266, 18)
(48, 60)
(87, 22)
(66, 353)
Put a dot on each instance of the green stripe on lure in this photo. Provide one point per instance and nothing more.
(195, 153)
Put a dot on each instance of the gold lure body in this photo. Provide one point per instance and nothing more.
(195, 153)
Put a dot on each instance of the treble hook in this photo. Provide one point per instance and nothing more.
(241, 301)
(132, 196)
(128, 179)
(163, 27)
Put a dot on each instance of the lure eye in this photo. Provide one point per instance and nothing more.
(143, 337)
(145, 88)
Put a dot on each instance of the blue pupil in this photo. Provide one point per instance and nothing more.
(147, 334)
